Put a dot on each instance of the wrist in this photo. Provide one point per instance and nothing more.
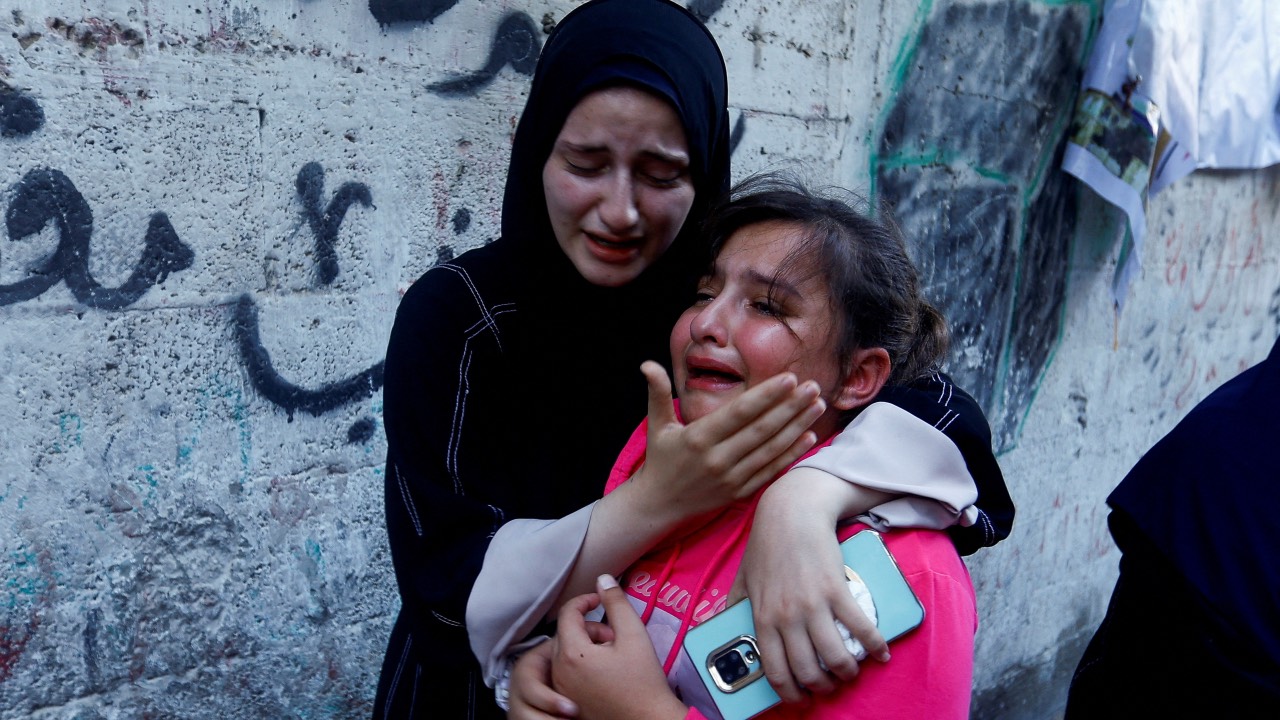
(657, 512)
(666, 707)
(808, 493)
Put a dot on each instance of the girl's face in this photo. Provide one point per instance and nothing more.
(749, 323)
(617, 184)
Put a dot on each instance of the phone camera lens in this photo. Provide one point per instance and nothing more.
(751, 656)
(731, 667)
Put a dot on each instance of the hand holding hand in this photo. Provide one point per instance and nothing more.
(532, 696)
(610, 671)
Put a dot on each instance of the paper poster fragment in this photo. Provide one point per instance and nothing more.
(1172, 86)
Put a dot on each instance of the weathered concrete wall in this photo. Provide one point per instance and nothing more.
(212, 207)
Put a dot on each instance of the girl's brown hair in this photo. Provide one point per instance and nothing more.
(874, 286)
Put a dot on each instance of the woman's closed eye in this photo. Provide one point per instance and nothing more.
(663, 179)
(661, 171)
(584, 167)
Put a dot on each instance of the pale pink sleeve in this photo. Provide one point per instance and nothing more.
(887, 448)
(524, 570)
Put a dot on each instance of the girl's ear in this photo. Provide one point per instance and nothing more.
(869, 370)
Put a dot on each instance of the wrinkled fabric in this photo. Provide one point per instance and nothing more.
(886, 448)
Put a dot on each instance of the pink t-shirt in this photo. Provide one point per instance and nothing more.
(931, 671)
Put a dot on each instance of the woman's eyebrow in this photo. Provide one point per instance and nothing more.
(667, 157)
(673, 158)
(582, 148)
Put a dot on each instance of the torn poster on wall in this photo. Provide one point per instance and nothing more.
(1173, 86)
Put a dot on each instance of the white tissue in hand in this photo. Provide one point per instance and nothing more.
(861, 595)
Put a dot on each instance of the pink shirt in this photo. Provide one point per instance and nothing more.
(931, 673)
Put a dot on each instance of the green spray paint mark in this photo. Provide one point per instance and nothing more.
(145, 478)
(897, 80)
(1025, 190)
(313, 552)
(22, 580)
(148, 474)
(218, 391)
(69, 433)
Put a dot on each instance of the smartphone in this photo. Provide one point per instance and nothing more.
(724, 648)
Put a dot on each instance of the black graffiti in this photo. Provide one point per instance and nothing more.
(704, 9)
(361, 431)
(269, 383)
(20, 114)
(266, 380)
(461, 221)
(325, 223)
(735, 137)
(387, 12)
(46, 195)
(515, 43)
(93, 624)
(263, 376)
(968, 157)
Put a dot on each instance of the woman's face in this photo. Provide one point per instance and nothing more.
(750, 322)
(617, 184)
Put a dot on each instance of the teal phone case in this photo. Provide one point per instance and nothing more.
(898, 611)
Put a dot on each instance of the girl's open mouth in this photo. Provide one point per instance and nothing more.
(707, 374)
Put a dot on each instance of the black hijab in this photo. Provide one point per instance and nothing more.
(582, 345)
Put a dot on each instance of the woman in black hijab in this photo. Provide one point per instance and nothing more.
(483, 420)
(511, 373)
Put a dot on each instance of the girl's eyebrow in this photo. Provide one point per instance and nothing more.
(775, 283)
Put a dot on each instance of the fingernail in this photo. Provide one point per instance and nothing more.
(884, 657)
(811, 386)
(606, 582)
(568, 709)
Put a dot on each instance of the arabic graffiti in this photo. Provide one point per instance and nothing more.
(20, 114)
(46, 196)
(388, 12)
(275, 388)
(515, 43)
(266, 380)
(408, 11)
(325, 223)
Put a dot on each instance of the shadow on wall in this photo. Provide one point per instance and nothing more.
(968, 154)
(1037, 690)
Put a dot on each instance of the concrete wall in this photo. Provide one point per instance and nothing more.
(212, 207)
